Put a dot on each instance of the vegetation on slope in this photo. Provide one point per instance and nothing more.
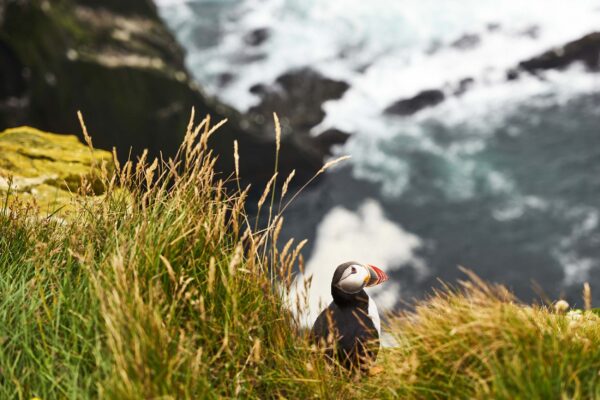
(479, 342)
(164, 291)
(161, 289)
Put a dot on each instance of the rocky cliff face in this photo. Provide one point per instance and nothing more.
(117, 63)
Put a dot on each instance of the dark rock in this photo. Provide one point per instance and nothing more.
(435, 46)
(2, 6)
(225, 79)
(258, 88)
(512, 74)
(585, 49)
(362, 68)
(426, 98)
(256, 37)
(349, 50)
(297, 97)
(119, 65)
(493, 27)
(463, 86)
(247, 57)
(533, 32)
(466, 42)
(13, 96)
(329, 138)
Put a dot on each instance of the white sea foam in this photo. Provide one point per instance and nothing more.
(379, 144)
(395, 38)
(577, 267)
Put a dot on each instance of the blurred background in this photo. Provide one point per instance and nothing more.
(473, 125)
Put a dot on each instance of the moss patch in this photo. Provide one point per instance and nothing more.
(47, 168)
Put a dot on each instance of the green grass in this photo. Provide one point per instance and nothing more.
(163, 291)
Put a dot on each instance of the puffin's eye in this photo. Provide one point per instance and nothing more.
(353, 270)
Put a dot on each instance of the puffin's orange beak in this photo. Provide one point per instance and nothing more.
(376, 276)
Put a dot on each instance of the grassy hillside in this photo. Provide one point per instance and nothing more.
(479, 342)
(161, 288)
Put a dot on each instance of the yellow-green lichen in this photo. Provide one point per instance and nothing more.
(47, 168)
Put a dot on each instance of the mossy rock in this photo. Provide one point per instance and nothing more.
(48, 168)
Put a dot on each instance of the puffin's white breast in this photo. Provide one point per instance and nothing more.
(374, 315)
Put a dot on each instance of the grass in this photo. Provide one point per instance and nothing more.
(478, 341)
(163, 289)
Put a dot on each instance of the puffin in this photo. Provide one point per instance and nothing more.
(350, 327)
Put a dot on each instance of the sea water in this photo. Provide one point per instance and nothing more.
(503, 179)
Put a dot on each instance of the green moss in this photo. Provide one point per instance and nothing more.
(47, 167)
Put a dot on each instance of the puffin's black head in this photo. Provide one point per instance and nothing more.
(349, 280)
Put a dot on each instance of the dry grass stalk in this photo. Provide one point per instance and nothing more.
(587, 296)
(286, 184)
(278, 224)
(277, 133)
(169, 268)
(332, 163)
(236, 157)
(116, 164)
(236, 259)
(256, 351)
(208, 133)
(86, 137)
(266, 192)
(321, 171)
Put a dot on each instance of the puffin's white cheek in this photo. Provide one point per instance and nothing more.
(352, 284)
